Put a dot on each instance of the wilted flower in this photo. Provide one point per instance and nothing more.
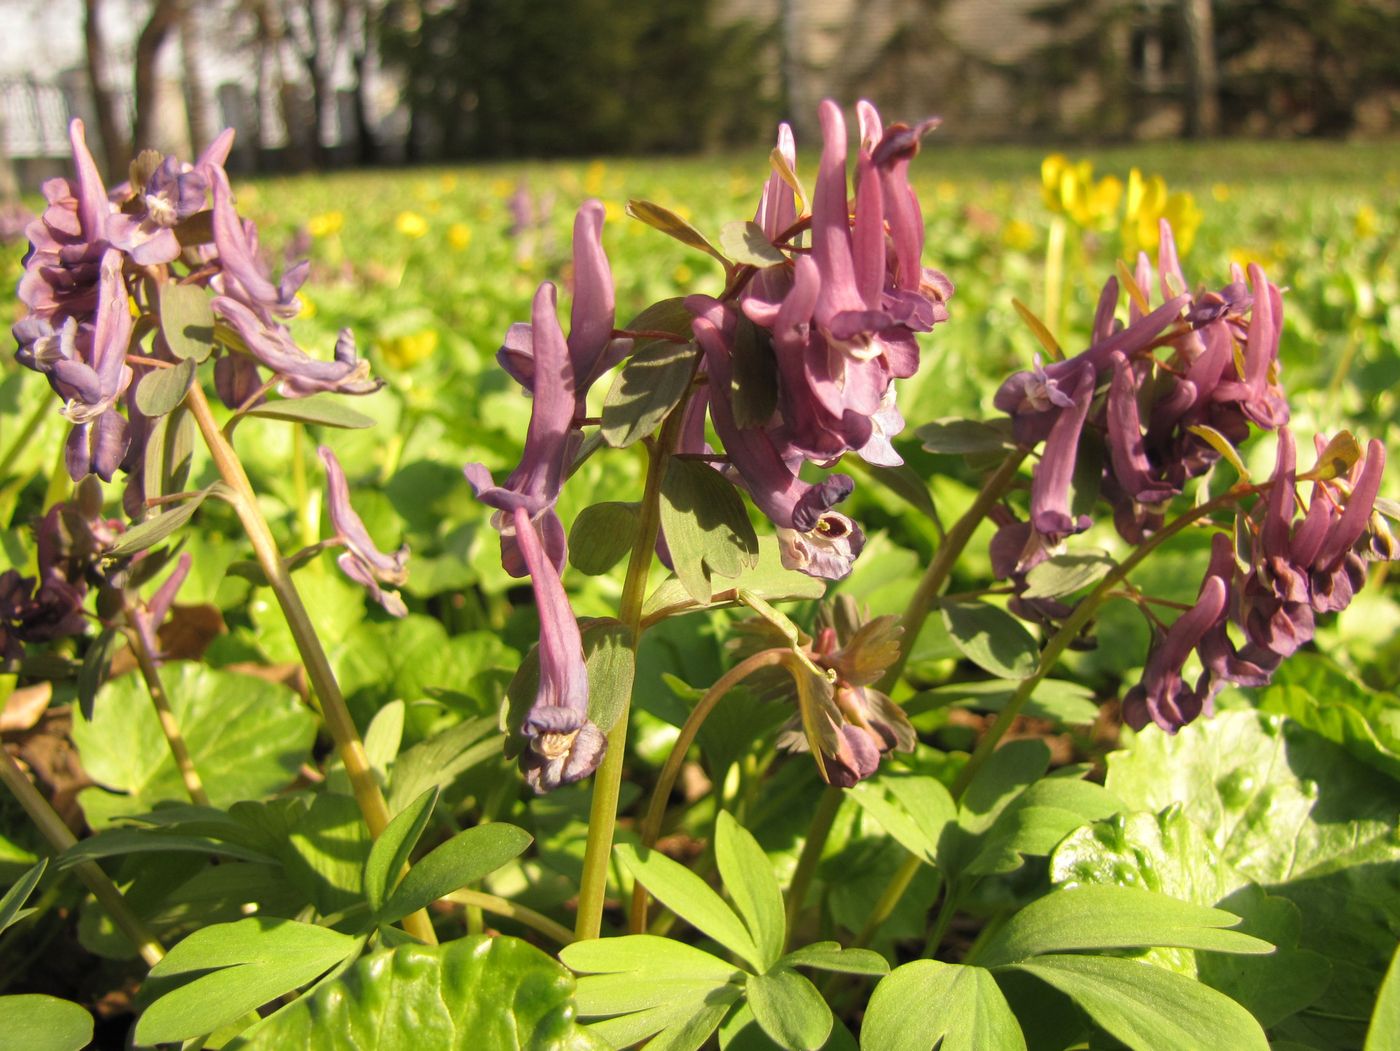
(362, 561)
(564, 744)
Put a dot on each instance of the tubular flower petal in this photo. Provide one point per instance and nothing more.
(362, 561)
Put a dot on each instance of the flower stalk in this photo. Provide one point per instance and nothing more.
(169, 725)
(333, 709)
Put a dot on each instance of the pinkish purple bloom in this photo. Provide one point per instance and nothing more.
(145, 227)
(1163, 697)
(564, 744)
(362, 561)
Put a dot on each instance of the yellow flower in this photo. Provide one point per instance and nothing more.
(1220, 192)
(448, 183)
(682, 275)
(1365, 224)
(1018, 235)
(327, 224)
(411, 224)
(614, 212)
(308, 306)
(593, 178)
(1069, 189)
(459, 236)
(1149, 202)
(404, 352)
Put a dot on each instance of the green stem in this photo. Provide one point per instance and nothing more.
(656, 808)
(1073, 625)
(936, 576)
(607, 782)
(889, 898)
(817, 833)
(61, 838)
(946, 909)
(501, 907)
(334, 711)
(169, 725)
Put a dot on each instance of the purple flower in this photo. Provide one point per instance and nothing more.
(828, 550)
(1050, 506)
(564, 744)
(1163, 697)
(145, 228)
(243, 278)
(534, 484)
(147, 617)
(299, 375)
(362, 561)
(590, 319)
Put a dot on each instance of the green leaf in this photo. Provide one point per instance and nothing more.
(246, 736)
(648, 386)
(325, 410)
(97, 665)
(11, 905)
(233, 968)
(391, 850)
(383, 737)
(1068, 703)
(1037, 820)
(1111, 917)
(745, 242)
(476, 992)
(647, 953)
(681, 1025)
(1306, 821)
(690, 898)
(926, 1001)
(789, 1009)
(602, 535)
(1148, 1008)
(117, 842)
(671, 224)
(1315, 692)
(169, 452)
(187, 321)
(748, 877)
(1062, 575)
(707, 529)
(769, 580)
(1223, 446)
(754, 385)
(160, 390)
(463, 859)
(156, 528)
(1384, 1032)
(962, 437)
(1010, 770)
(665, 315)
(35, 1022)
(442, 758)
(903, 481)
(829, 956)
(912, 808)
(326, 851)
(991, 638)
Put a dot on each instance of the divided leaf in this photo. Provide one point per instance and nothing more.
(748, 877)
(926, 1001)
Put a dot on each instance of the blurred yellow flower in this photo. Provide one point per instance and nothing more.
(411, 224)
(593, 178)
(308, 306)
(502, 188)
(1220, 191)
(1366, 221)
(327, 224)
(403, 352)
(613, 212)
(448, 183)
(1018, 235)
(682, 275)
(1149, 202)
(459, 236)
(1069, 189)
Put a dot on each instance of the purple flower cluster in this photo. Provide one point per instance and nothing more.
(71, 538)
(841, 317)
(79, 284)
(1297, 569)
(1218, 372)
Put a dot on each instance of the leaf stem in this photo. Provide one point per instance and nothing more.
(61, 838)
(334, 712)
(169, 725)
(936, 576)
(607, 782)
(817, 832)
(656, 808)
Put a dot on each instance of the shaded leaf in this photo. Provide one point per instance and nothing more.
(991, 638)
(648, 386)
(156, 528)
(707, 529)
(11, 905)
(754, 384)
(187, 321)
(668, 222)
(829, 956)
(963, 437)
(160, 390)
(602, 535)
(1062, 575)
(323, 409)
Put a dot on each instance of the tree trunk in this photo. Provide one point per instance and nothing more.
(113, 147)
(1204, 114)
(196, 93)
(164, 15)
